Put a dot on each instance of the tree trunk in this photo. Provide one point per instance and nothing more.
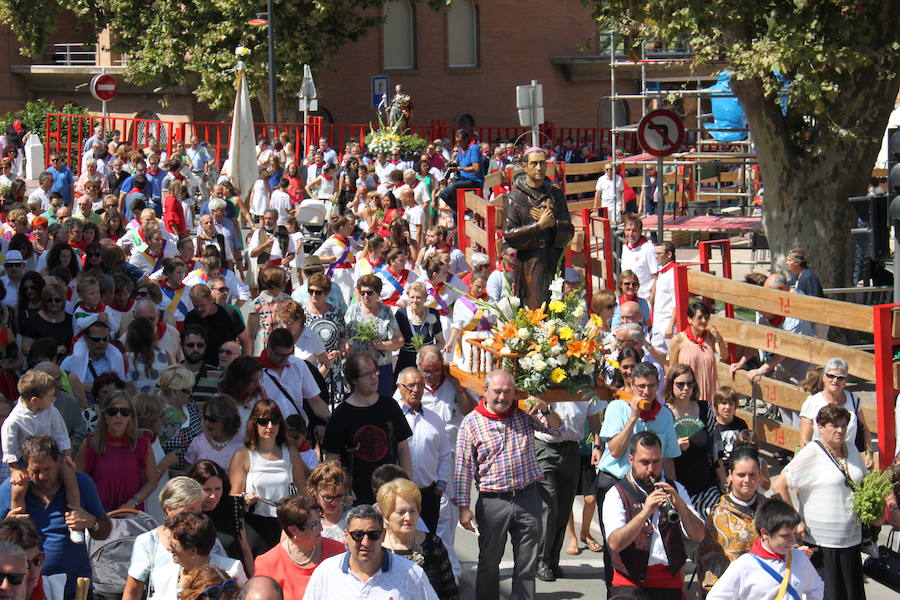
(806, 196)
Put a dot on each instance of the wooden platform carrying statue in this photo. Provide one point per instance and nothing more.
(538, 226)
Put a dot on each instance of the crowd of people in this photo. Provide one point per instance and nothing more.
(283, 406)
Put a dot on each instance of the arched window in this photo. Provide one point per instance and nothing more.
(462, 34)
(147, 130)
(399, 35)
(606, 113)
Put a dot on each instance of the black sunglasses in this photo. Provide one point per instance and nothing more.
(683, 384)
(373, 535)
(228, 587)
(112, 411)
(316, 292)
(14, 578)
(265, 421)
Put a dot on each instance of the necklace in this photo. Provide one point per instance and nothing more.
(215, 444)
(307, 560)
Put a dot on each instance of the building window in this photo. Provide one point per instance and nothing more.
(146, 130)
(462, 34)
(399, 35)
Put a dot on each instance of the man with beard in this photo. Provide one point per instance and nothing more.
(538, 227)
(645, 518)
(193, 344)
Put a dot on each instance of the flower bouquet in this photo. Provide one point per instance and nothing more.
(551, 346)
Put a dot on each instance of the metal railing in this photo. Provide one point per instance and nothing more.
(72, 54)
(653, 49)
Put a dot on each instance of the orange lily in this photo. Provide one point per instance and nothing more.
(537, 315)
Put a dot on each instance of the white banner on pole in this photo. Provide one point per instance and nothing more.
(242, 147)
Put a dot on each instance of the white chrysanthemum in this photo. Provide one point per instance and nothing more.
(523, 333)
(539, 365)
(578, 313)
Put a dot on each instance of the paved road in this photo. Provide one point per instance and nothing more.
(583, 573)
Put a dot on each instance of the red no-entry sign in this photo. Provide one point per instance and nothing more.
(660, 132)
(104, 87)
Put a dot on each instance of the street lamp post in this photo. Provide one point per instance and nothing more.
(270, 10)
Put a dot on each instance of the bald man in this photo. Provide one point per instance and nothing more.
(167, 337)
(261, 588)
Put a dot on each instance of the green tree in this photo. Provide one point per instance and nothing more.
(839, 59)
(174, 44)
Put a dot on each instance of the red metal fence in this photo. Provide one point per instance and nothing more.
(66, 134)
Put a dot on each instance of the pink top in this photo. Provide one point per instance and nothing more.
(702, 359)
(118, 472)
(200, 449)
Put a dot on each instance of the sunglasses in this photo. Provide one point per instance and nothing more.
(112, 411)
(838, 377)
(266, 421)
(228, 587)
(684, 384)
(366, 292)
(220, 289)
(142, 294)
(629, 284)
(195, 345)
(14, 578)
(97, 339)
(373, 535)
(316, 292)
(210, 419)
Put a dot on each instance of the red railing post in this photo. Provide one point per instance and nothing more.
(682, 297)
(608, 267)
(490, 228)
(588, 259)
(885, 391)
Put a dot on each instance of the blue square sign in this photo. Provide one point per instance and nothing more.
(379, 89)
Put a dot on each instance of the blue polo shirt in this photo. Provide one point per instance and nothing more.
(62, 182)
(471, 157)
(614, 419)
(62, 555)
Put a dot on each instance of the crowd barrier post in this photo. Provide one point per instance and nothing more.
(886, 380)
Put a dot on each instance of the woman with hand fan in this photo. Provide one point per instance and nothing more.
(699, 468)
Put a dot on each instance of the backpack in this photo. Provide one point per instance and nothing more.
(110, 557)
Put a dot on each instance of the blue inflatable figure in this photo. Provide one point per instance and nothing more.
(727, 112)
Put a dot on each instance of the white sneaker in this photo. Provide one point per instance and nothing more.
(76, 536)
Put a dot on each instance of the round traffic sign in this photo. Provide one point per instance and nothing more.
(660, 132)
(104, 87)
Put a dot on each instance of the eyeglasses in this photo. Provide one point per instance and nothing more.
(313, 292)
(38, 560)
(373, 535)
(142, 294)
(684, 384)
(837, 377)
(629, 284)
(220, 289)
(112, 411)
(266, 421)
(195, 345)
(366, 292)
(412, 386)
(14, 578)
(332, 498)
(97, 339)
(228, 587)
(210, 419)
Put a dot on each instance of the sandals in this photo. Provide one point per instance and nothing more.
(592, 544)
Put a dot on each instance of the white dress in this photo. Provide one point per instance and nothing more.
(473, 324)
(340, 273)
(259, 198)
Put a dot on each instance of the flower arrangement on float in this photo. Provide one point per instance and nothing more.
(551, 346)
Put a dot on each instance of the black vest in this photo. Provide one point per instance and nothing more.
(632, 561)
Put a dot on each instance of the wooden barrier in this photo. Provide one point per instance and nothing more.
(483, 229)
(880, 368)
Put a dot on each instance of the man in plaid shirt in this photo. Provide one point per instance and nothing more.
(495, 449)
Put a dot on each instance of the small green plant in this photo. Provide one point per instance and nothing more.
(869, 497)
(417, 340)
(366, 331)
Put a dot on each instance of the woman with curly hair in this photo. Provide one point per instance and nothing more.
(208, 583)
(62, 255)
(225, 511)
(242, 382)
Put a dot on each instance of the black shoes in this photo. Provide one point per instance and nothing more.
(545, 573)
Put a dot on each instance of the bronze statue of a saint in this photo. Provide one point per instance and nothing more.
(399, 114)
(538, 227)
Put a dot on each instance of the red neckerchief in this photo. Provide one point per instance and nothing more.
(160, 330)
(265, 361)
(78, 245)
(326, 177)
(394, 162)
(38, 592)
(341, 239)
(432, 390)
(776, 320)
(504, 269)
(164, 283)
(760, 550)
(650, 415)
(135, 190)
(482, 410)
(641, 241)
(624, 299)
(123, 308)
(374, 264)
(119, 441)
(690, 335)
(190, 263)
(668, 266)
(97, 309)
(413, 186)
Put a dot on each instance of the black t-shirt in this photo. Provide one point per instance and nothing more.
(729, 434)
(373, 432)
(222, 326)
(37, 327)
(693, 467)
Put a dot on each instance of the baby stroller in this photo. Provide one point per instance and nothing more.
(312, 216)
(110, 557)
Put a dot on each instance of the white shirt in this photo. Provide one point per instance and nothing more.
(281, 202)
(22, 424)
(398, 579)
(608, 191)
(41, 196)
(813, 404)
(12, 291)
(458, 262)
(494, 286)
(164, 580)
(414, 215)
(745, 578)
(614, 519)
(296, 379)
(429, 446)
(573, 416)
(442, 401)
(663, 305)
(309, 346)
(641, 260)
(275, 251)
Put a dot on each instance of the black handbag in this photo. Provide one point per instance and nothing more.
(886, 568)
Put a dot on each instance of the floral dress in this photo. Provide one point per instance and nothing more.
(265, 307)
(331, 328)
(175, 435)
